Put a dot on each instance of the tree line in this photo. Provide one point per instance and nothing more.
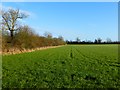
(15, 35)
(96, 41)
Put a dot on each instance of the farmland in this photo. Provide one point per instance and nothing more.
(69, 66)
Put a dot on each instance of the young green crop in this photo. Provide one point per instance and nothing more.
(70, 66)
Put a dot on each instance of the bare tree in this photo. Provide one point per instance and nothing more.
(95, 41)
(78, 39)
(99, 40)
(48, 35)
(108, 40)
(10, 18)
(60, 38)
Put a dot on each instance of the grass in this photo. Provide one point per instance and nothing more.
(70, 66)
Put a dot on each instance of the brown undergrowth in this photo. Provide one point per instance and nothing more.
(18, 51)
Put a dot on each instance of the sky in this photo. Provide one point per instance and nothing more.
(86, 20)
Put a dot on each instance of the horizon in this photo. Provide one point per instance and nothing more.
(86, 20)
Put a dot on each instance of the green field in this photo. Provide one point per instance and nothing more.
(70, 66)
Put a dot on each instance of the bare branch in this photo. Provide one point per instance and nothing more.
(10, 18)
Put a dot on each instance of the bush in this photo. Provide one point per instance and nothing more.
(25, 38)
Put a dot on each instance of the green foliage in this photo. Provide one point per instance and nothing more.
(70, 66)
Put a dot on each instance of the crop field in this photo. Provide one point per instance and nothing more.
(69, 66)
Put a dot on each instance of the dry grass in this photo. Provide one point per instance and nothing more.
(18, 51)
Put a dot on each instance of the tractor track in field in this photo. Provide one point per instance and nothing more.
(98, 60)
(88, 57)
(71, 54)
(85, 55)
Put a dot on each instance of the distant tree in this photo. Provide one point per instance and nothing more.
(10, 18)
(77, 39)
(60, 38)
(67, 41)
(108, 40)
(89, 41)
(99, 40)
(48, 35)
(95, 41)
